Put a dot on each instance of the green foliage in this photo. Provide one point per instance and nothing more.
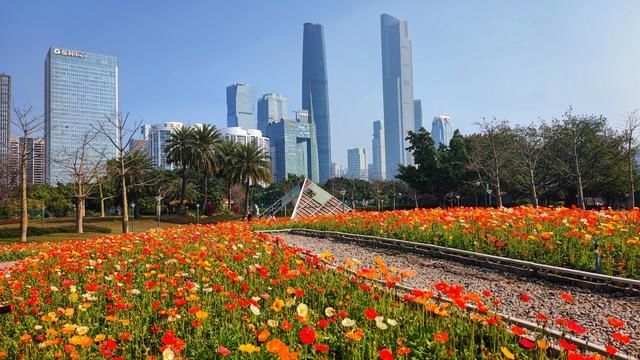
(6, 233)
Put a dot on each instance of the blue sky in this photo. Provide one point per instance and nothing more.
(515, 60)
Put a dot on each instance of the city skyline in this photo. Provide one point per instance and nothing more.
(493, 59)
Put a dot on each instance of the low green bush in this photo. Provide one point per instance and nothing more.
(7, 233)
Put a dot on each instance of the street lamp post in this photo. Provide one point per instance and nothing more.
(74, 210)
(489, 191)
(133, 217)
(158, 208)
(343, 192)
(458, 198)
(197, 213)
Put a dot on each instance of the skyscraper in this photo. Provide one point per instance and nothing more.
(441, 130)
(81, 91)
(35, 164)
(357, 163)
(240, 100)
(294, 148)
(397, 90)
(5, 114)
(378, 171)
(271, 108)
(158, 139)
(417, 113)
(315, 93)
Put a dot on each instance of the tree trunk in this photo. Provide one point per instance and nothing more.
(101, 200)
(79, 213)
(632, 191)
(534, 192)
(183, 186)
(229, 196)
(579, 184)
(246, 197)
(206, 189)
(24, 211)
(125, 204)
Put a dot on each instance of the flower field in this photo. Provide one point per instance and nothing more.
(222, 291)
(561, 237)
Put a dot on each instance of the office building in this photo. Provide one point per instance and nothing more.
(336, 170)
(357, 164)
(138, 145)
(157, 141)
(378, 165)
(5, 114)
(240, 105)
(417, 113)
(397, 89)
(35, 164)
(246, 136)
(315, 93)
(81, 91)
(441, 130)
(271, 108)
(294, 148)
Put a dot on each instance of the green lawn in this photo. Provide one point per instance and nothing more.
(112, 223)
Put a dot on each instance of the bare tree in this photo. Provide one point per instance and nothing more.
(529, 147)
(27, 124)
(378, 189)
(120, 135)
(491, 151)
(101, 181)
(631, 126)
(85, 164)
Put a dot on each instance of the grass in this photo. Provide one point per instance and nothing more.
(111, 223)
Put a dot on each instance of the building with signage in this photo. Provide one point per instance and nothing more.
(294, 148)
(271, 108)
(315, 93)
(378, 165)
(397, 91)
(157, 137)
(240, 106)
(81, 91)
(441, 130)
(5, 114)
(357, 164)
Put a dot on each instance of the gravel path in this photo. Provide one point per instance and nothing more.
(589, 309)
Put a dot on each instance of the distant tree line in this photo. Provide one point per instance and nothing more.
(575, 159)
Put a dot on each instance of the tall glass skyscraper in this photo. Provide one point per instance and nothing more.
(240, 100)
(378, 165)
(397, 90)
(441, 130)
(5, 113)
(271, 108)
(294, 149)
(417, 113)
(80, 91)
(315, 93)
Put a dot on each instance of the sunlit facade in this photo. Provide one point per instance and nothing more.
(81, 91)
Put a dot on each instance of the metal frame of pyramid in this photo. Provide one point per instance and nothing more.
(310, 199)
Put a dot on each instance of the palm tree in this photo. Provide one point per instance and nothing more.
(226, 169)
(179, 149)
(204, 147)
(252, 166)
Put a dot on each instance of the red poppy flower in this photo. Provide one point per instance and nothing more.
(526, 343)
(517, 330)
(223, 351)
(322, 348)
(307, 335)
(567, 297)
(615, 322)
(623, 339)
(403, 351)
(611, 350)
(524, 297)
(541, 317)
(567, 345)
(573, 326)
(370, 314)
(385, 354)
(441, 337)
(323, 323)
